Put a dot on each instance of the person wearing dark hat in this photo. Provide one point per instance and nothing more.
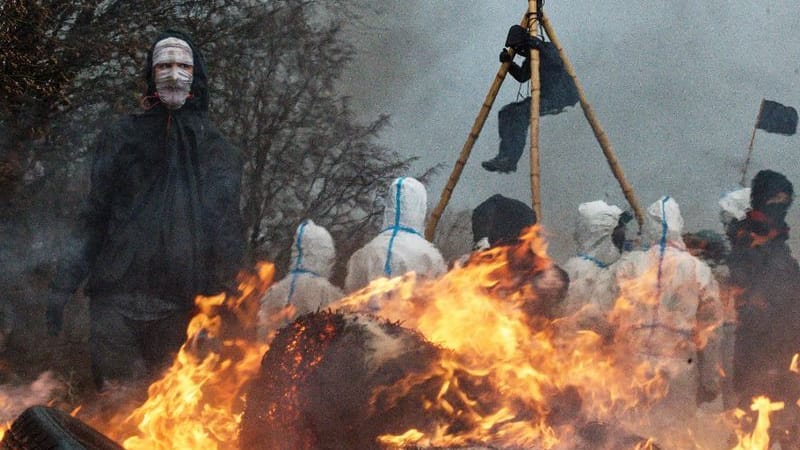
(161, 224)
(767, 276)
(500, 221)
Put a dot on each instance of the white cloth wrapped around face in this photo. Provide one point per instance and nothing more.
(172, 66)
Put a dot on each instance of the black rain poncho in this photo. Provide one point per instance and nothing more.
(162, 219)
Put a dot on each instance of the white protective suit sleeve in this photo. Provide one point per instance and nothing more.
(400, 246)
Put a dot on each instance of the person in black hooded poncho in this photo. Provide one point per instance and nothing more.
(161, 224)
(767, 281)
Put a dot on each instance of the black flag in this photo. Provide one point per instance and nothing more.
(777, 118)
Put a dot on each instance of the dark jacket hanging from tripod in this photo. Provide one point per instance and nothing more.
(557, 91)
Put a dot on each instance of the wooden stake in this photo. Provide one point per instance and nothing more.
(599, 134)
(536, 197)
(477, 126)
(750, 148)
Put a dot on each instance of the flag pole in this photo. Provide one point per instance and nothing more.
(533, 23)
(477, 126)
(750, 147)
(599, 134)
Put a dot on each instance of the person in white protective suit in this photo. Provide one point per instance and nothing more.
(591, 282)
(673, 320)
(306, 287)
(399, 247)
(733, 208)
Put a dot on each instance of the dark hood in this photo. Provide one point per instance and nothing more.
(501, 219)
(766, 184)
(199, 98)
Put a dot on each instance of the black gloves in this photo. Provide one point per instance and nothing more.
(55, 311)
(505, 56)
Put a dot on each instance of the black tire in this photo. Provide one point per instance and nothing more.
(46, 428)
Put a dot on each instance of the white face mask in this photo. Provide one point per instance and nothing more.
(172, 70)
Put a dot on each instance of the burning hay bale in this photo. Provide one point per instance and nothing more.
(334, 380)
(324, 384)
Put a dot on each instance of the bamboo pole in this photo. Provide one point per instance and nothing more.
(477, 126)
(599, 134)
(750, 148)
(536, 198)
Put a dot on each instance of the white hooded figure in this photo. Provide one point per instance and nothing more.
(306, 287)
(675, 311)
(733, 208)
(591, 282)
(400, 246)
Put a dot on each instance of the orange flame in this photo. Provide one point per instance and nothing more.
(547, 374)
(195, 403)
(480, 311)
(759, 439)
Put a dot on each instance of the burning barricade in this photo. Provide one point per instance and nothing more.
(474, 359)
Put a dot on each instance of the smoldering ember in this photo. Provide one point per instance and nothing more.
(207, 247)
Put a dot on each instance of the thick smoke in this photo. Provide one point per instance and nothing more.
(16, 398)
(676, 86)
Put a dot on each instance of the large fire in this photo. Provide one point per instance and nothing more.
(198, 402)
(545, 382)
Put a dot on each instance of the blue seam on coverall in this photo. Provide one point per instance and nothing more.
(396, 228)
(596, 261)
(298, 262)
(662, 249)
(663, 243)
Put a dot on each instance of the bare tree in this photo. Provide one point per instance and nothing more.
(68, 67)
(307, 157)
(273, 66)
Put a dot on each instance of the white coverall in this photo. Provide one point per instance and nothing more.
(306, 287)
(733, 207)
(591, 282)
(400, 246)
(675, 308)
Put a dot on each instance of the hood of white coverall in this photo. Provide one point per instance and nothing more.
(406, 205)
(596, 222)
(734, 205)
(664, 223)
(313, 249)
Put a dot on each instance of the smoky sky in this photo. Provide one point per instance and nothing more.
(675, 85)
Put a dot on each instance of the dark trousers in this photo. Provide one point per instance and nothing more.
(125, 349)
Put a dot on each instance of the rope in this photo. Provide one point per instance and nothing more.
(538, 14)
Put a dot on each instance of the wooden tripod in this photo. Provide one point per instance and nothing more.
(531, 18)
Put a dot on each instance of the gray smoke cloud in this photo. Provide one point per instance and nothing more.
(675, 85)
(14, 399)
